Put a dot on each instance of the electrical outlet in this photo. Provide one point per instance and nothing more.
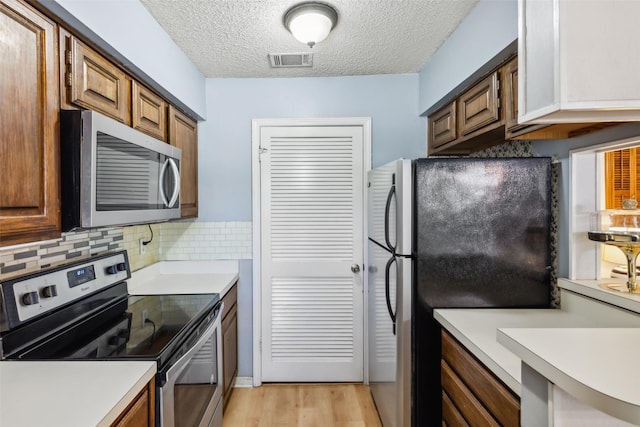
(143, 248)
(145, 316)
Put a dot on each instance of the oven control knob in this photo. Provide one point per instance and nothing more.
(116, 268)
(49, 291)
(30, 298)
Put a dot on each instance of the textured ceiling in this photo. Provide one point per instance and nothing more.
(231, 38)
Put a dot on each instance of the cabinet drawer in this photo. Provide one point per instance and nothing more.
(442, 126)
(450, 414)
(148, 112)
(466, 403)
(94, 83)
(479, 106)
(498, 400)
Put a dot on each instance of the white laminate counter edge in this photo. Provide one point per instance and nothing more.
(627, 411)
(131, 394)
(490, 362)
(69, 393)
(592, 289)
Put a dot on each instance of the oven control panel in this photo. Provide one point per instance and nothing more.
(38, 294)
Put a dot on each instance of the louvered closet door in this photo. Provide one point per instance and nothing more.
(312, 233)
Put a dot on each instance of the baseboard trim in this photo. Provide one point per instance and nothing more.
(243, 382)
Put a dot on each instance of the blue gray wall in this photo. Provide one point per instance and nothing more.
(224, 149)
(489, 28)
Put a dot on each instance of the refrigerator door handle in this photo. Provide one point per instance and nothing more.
(387, 210)
(386, 291)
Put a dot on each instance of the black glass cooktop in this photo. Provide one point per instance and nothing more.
(137, 327)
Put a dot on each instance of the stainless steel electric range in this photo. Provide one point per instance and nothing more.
(81, 311)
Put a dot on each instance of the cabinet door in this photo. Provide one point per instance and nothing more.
(569, 72)
(479, 106)
(474, 390)
(141, 411)
(442, 126)
(229, 342)
(94, 83)
(510, 73)
(230, 351)
(29, 136)
(149, 112)
(183, 133)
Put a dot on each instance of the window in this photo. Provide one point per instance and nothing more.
(622, 176)
(611, 166)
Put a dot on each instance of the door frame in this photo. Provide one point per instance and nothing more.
(256, 125)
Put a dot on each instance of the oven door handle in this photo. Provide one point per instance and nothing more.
(166, 395)
(181, 363)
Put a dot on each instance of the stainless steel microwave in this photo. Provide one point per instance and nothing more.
(113, 174)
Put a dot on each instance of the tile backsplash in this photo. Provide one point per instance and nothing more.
(27, 257)
(180, 240)
(206, 240)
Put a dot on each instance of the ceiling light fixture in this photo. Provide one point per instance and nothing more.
(310, 22)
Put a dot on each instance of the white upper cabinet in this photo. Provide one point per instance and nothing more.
(578, 61)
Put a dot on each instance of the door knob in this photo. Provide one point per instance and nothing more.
(355, 268)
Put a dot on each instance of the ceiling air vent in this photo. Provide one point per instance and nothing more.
(291, 60)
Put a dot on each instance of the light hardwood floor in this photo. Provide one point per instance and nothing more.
(302, 405)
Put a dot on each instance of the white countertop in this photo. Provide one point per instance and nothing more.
(593, 289)
(69, 394)
(477, 329)
(596, 366)
(587, 348)
(184, 277)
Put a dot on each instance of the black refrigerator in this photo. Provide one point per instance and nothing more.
(480, 237)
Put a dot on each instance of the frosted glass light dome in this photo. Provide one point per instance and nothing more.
(310, 23)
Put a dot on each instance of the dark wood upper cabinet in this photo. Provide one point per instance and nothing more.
(149, 112)
(90, 81)
(471, 121)
(479, 106)
(29, 135)
(183, 133)
(442, 126)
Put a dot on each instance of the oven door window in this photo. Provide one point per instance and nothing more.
(193, 389)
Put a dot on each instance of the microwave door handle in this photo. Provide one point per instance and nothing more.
(163, 171)
(176, 183)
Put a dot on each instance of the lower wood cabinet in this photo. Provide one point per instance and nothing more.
(471, 394)
(141, 411)
(229, 343)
